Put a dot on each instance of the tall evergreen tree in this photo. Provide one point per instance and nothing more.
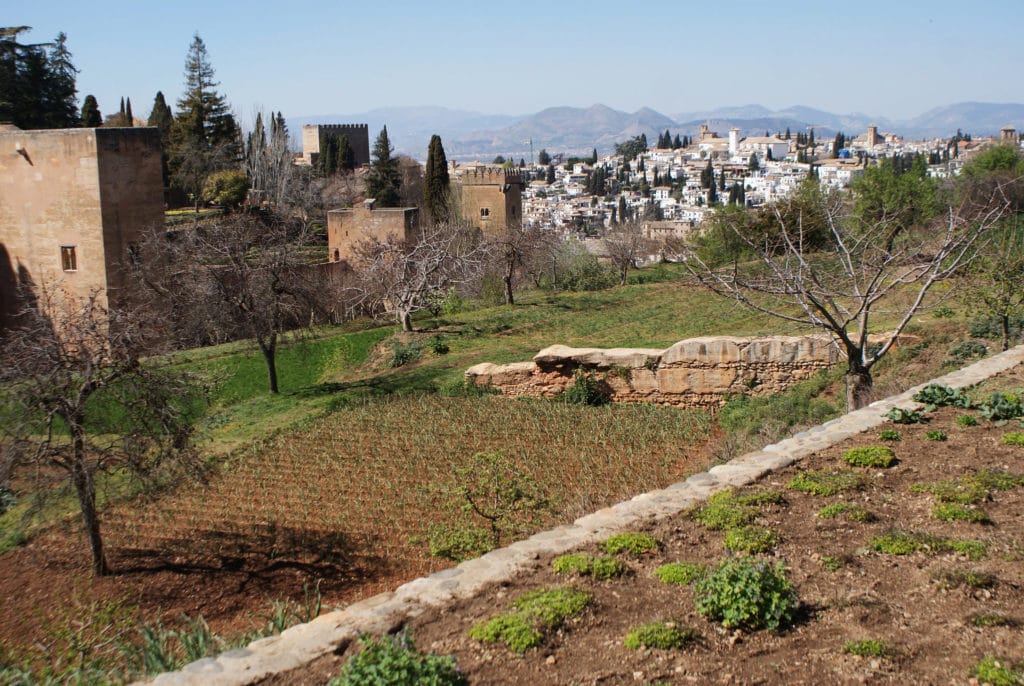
(550, 175)
(707, 175)
(623, 210)
(346, 155)
(37, 82)
(593, 156)
(129, 118)
(163, 119)
(91, 116)
(436, 183)
(59, 92)
(676, 143)
(384, 180)
(753, 165)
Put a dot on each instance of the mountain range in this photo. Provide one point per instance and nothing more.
(574, 130)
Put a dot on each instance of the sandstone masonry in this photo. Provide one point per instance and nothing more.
(697, 372)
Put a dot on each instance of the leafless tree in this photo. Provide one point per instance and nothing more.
(513, 250)
(625, 245)
(842, 287)
(401, 275)
(80, 400)
(248, 275)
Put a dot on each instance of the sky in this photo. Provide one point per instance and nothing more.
(894, 59)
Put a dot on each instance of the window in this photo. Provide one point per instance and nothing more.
(68, 259)
(485, 212)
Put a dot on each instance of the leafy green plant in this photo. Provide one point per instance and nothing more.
(996, 671)
(943, 312)
(898, 415)
(827, 483)
(966, 420)
(747, 593)
(955, 512)
(972, 578)
(890, 435)
(405, 353)
(680, 573)
(728, 509)
(1001, 406)
(967, 350)
(660, 635)
(459, 541)
(970, 489)
(870, 456)
(586, 389)
(869, 648)
(394, 661)
(935, 395)
(936, 435)
(601, 568)
(1013, 438)
(855, 513)
(536, 613)
(629, 542)
(905, 543)
(750, 539)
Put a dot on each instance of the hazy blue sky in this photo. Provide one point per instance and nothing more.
(309, 57)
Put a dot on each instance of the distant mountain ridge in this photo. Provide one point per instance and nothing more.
(574, 130)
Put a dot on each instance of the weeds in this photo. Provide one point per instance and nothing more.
(827, 483)
(405, 353)
(996, 671)
(729, 510)
(936, 435)
(536, 614)
(660, 635)
(869, 648)
(971, 578)
(985, 620)
(854, 513)
(955, 512)
(630, 542)
(890, 435)
(680, 573)
(600, 568)
(905, 543)
(750, 540)
(1013, 438)
(966, 420)
(870, 456)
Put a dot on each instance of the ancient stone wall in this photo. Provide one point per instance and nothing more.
(491, 198)
(347, 227)
(697, 372)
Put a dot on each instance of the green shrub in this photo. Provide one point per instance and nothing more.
(751, 540)
(966, 420)
(661, 635)
(855, 513)
(394, 661)
(996, 671)
(601, 568)
(832, 563)
(586, 273)
(1008, 438)
(869, 648)
(898, 415)
(586, 389)
(962, 491)
(890, 435)
(991, 327)
(747, 593)
(680, 573)
(629, 542)
(870, 456)
(934, 395)
(936, 435)
(460, 541)
(405, 353)
(1001, 406)
(536, 613)
(769, 418)
(967, 350)
(972, 578)
(955, 512)
(827, 483)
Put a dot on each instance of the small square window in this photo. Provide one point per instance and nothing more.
(68, 259)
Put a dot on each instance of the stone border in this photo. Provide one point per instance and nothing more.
(382, 613)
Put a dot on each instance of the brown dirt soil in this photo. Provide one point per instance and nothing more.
(896, 599)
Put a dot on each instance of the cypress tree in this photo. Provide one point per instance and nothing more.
(623, 210)
(550, 176)
(676, 143)
(129, 118)
(754, 165)
(436, 183)
(346, 155)
(721, 180)
(91, 116)
(384, 180)
(161, 117)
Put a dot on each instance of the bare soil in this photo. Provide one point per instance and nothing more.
(898, 599)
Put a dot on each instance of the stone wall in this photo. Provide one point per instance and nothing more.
(491, 198)
(347, 227)
(697, 372)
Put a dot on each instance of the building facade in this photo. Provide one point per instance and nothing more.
(491, 197)
(358, 139)
(347, 227)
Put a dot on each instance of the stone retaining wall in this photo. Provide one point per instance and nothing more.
(697, 372)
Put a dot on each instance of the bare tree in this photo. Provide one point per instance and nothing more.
(401, 275)
(625, 245)
(840, 288)
(998, 276)
(249, 275)
(81, 401)
(514, 249)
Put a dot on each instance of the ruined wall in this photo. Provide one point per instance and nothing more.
(347, 227)
(697, 372)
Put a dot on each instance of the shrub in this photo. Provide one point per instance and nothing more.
(991, 327)
(600, 568)
(890, 435)
(832, 563)
(729, 510)
(680, 573)
(966, 420)
(954, 512)
(996, 671)
(405, 353)
(985, 620)
(747, 593)
(586, 273)
(826, 483)
(963, 491)
(935, 395)
(1008, 438)
(438, 346)
(856, 513)
(751, 539)
(770, 417)
(536, 613)
(7, 499)
(870, 456)
(1001, 406)
(898, 415)
(459, 541)
(585, 389)
(869, 648)
(968, 350)
(661, 635)
(629, 542)
(393, 660)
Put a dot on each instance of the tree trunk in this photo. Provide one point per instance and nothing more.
(858, 388)
(86, 490)
(1006, 331)
(270, 355)
(406, 320)
(507, 280)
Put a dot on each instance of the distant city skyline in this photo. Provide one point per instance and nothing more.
(314, 57)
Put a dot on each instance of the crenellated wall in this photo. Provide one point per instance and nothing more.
(697, 372)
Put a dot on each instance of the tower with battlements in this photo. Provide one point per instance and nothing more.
(358, 139)
(491, 197)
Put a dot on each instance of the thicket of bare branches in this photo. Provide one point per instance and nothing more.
(514, 251)
(78, 399)
(626, 246)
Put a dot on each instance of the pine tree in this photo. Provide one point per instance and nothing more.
(161, 117)
(59, 91)
(91, 116)
(384, 180)
(436, 182)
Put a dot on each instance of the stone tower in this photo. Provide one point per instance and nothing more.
(358, 140)
(492, 198)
